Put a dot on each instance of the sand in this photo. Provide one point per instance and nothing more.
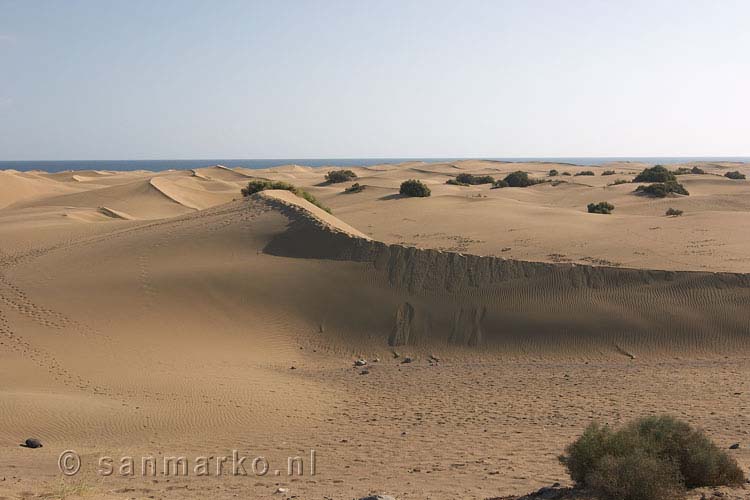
(163, 314)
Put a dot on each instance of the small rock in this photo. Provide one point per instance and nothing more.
(32, 443)
(360, 362)
(376, 360)
(735, 446)
(378, 497)
(292, 367)
(396, 355)
(282, 491)
(407, 359)
(364, 372)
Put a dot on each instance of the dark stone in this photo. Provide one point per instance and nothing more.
(32, 443)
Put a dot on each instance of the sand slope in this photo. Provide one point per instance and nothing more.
(151, 314)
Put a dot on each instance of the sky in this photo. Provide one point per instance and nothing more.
(354, 79)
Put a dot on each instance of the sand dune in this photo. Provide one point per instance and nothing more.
(16, 187)
(162, 313)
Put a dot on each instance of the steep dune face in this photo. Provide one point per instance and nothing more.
(436, 297)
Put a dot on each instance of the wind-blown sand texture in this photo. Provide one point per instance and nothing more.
(161, 314)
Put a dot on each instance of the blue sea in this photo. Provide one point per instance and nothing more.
(158, 165)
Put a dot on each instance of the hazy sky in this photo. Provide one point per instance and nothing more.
(320, 79)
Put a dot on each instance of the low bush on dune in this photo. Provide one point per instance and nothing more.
(501, 183)
(553, 173)
(415, 188)
(519, 178)
(662, 189)
(470, 179)
(674, 212)
(737, 175)
(602, 207)
(618, 182)
(585, 172)
(657, 173)
(652, 458)
(336, 176)
(686, 171)
(355, 188)
(259, 185)
(609, 172)
(566, 173)
(454, 182)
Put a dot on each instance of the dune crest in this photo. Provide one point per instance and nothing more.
(452, 298)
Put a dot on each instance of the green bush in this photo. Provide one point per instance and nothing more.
(566, 173)
(414, 187)
(519, 178)
(674, 212)
(470, 179)
(657, 173)
(500, 184)
(336, 176)
(651, 458)
(685, 171)
(662, 189)
(585, 172)
(618, 182)
(454, 182)
(553, 173)
(259, 185)
(609, 172)
(635, 476)
(602, 207)
(737, 175)
(355, 188)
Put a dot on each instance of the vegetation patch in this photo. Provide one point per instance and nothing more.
(553, 173)
(686, 171)
(259, 185)
(585, 172)
(674, 212)
(355, 188)
(602, 207)
(657, 173)
(662, 189)
(336, 176)
(470, 179)
(454, 182)
(648, 459)
(566, 173)
(414, 188)
(618, 182)
(501, 183)
(737, 175)
(609, 172)
(519, 178)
